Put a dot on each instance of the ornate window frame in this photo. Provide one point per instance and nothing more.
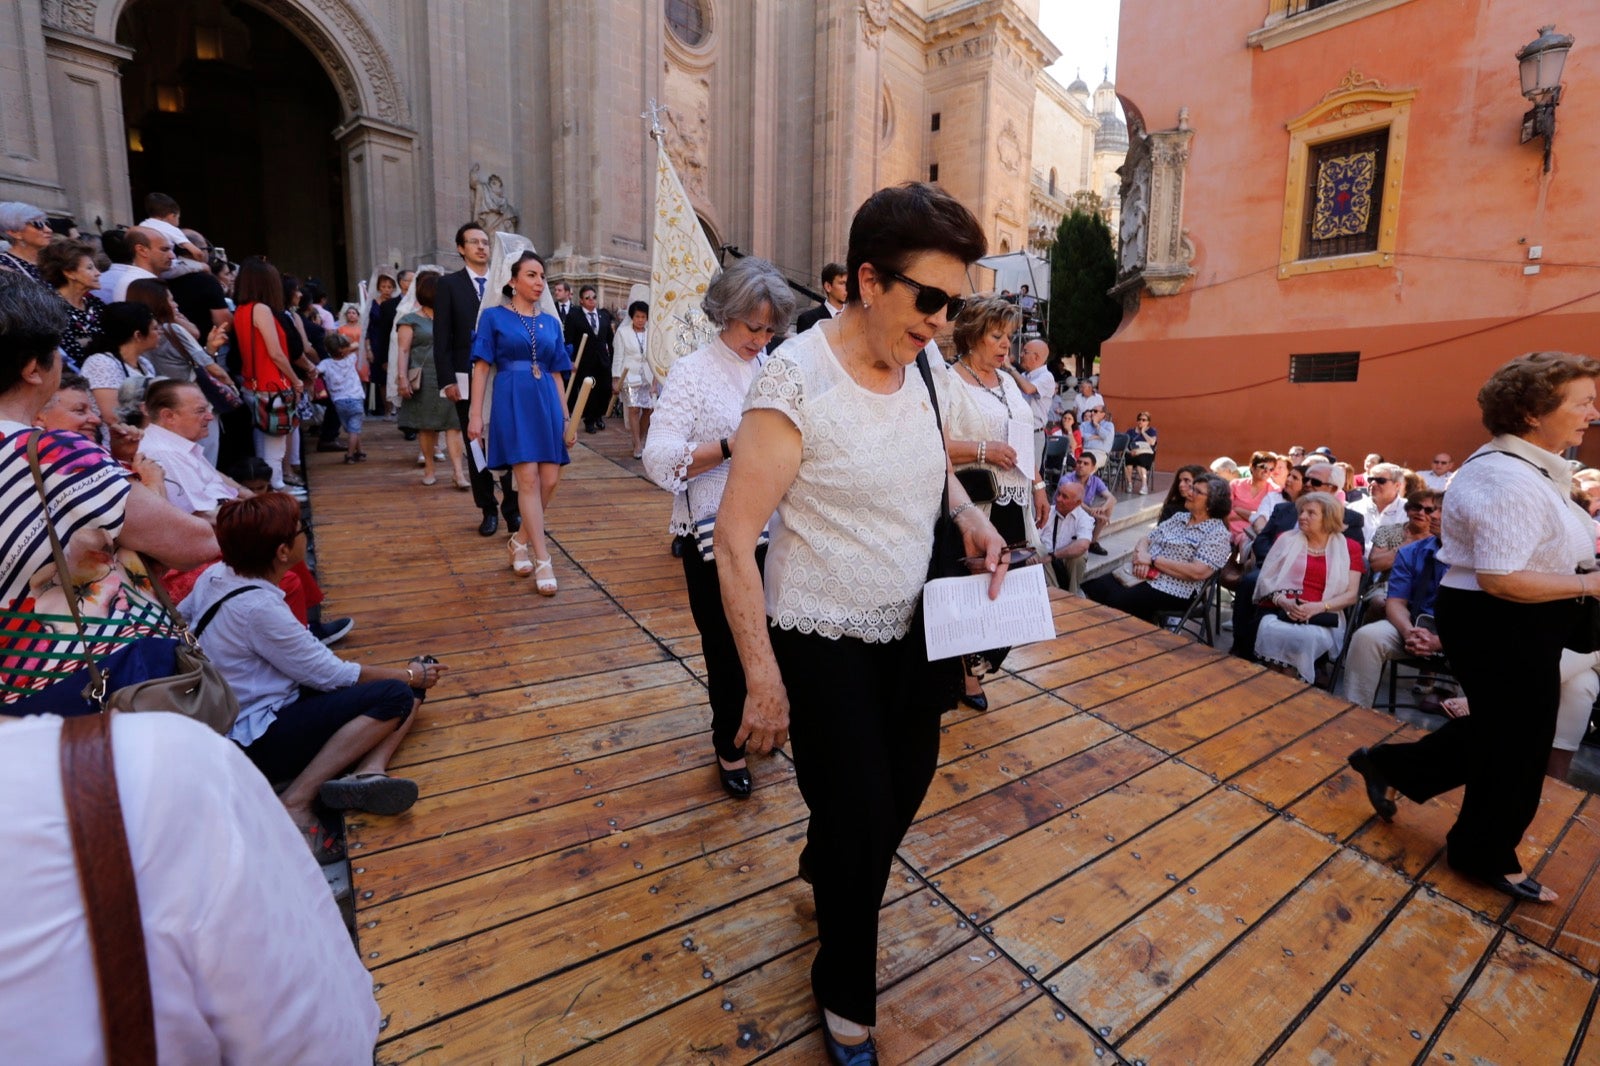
(1355, 106)
(1291, 20)
(692, 56)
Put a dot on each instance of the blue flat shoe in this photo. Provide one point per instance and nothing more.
(862, 1054)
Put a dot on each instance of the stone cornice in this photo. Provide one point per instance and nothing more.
(1282, 28)
(1002, 16)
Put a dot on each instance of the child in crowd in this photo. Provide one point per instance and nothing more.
(343, 381)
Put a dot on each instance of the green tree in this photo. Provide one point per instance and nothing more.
(1083, 266)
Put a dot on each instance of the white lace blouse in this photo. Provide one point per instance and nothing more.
(854, 532)
(703, 400)
(979, 413)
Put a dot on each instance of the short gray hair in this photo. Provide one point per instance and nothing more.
(740, 290)
(14, 215)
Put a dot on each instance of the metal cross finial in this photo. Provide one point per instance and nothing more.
(654, 112)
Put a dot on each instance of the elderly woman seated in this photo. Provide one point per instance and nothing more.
(305, 715)
(1171, 564)
(1308, 579)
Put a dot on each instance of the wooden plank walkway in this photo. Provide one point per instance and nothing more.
(1144, 852)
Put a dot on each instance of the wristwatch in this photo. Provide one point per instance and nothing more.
(1038, 486)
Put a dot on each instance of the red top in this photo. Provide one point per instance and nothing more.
(261, 374)
(1317, 572)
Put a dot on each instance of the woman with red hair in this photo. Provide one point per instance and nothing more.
(306, 717)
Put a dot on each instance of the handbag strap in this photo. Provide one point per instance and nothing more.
(211, 612)
(110, 893)
(933, 400)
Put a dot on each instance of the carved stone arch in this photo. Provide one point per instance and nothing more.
(338, 32)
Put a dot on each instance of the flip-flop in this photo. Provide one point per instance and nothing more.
(373, 793)
(325, 847)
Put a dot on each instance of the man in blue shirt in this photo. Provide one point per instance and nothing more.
(1098, 432)
(1413, 586)
(1097, 499)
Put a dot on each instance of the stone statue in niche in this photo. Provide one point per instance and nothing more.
(1133, 234)
(490, 205)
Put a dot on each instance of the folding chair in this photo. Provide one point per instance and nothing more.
(1057, 451)
(1116, 462)
(1352, 618)
(1437, 665)
(1203, 613)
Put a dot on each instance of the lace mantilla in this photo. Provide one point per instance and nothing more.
(703, 400)
(854, 532)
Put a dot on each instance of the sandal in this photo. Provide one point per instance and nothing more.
(430, 480)
(546, 585)
(520, 563)
(373, 793)
(325, 847)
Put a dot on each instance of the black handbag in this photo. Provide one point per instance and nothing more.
(981, 484)
(942, 679)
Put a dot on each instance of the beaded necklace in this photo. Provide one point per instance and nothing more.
(533, 348)
(999, 390)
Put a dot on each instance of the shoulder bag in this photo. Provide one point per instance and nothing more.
(110, 892)
(943, 678)
(151, 673)
(275, 412)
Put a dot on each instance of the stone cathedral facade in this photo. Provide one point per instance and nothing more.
(335, 135)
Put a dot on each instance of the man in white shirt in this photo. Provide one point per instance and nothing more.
(1385, 503)
(1039, 389)
(178, 416)
(152, 256)
(1066, 535)
(1088, 396)
(1438, 476)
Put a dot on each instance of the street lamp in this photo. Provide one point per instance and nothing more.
(1541, 61)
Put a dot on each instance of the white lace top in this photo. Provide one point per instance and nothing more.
(978, 413)
(854, 532)
(703, 400)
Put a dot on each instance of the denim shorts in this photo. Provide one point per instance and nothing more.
(350, 412)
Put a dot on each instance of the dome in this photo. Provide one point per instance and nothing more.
(1112, 136)
(1079, 86)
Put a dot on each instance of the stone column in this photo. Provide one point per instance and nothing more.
(380, 193)
(1169, 250)
(28, 168)
(848, 58)
(91, 142)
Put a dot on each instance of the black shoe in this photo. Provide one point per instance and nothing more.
(490, 525)
(1096, 549)
(980, 702)
(1360, 761)
(862, 1054)
(803, 871)
(1526, 890)
(514, 523)
(599, 425)
(409, 434)
(589, 426)
(735, 783)
(332, 632)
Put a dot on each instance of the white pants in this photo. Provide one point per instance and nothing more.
(272, 449)
(1379, 642)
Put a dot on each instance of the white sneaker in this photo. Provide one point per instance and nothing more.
(438, 455)
(422, 460)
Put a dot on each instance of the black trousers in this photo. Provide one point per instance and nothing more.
(864, 753)
(1143, 600)
(724, 672)
(482, 480)
(1507, 657)
(1246, 616)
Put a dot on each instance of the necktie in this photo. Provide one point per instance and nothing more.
(479, 282)
(594, 323)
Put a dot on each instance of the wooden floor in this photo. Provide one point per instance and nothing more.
(1144, 852)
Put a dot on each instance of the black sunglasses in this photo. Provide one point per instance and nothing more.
(929, 299)
(1379, 480)
(1424, 510)
(1315, 483)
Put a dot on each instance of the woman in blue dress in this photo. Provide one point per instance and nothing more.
(526, 418)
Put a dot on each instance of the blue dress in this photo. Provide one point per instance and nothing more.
(527, 420)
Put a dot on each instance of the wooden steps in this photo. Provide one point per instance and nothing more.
(1144, 852)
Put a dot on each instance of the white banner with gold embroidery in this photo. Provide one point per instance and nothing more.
(682, 265)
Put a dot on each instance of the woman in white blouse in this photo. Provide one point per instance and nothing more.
(840, 436)
(1521, 554)
(978, 437)
(631, 376)
(687, 454)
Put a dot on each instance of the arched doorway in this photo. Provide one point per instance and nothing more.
(229, 113)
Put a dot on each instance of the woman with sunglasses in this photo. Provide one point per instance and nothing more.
(1175, 559)
(978, 440)
(686, 453)
(28, 232)
(1420, 507)
(1522, 559)
(1248, 492)
(841, 435)
(1141, 454)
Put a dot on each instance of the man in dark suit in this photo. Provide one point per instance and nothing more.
(1319, 477)
(455, 316)
(835, 284)
(590, 320)
(561, 292)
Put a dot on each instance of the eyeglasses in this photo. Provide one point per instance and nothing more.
(1441, 462)
(305, 528)
(1315, 483)
(1423, 510)
(1379, 480)
(760, 330)
(929, 299)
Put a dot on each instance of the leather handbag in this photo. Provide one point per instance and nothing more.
(153, 673)
(276, 413)
(110, 893)
(1232, 571)
(981, 484)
